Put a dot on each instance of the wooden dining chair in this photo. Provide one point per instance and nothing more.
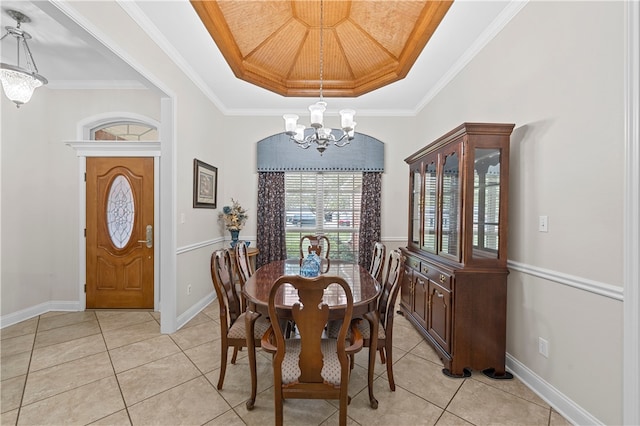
(384, 315)
(237, 329)
(377, 260)
(311, 366)
(314, 243)
(243, 267)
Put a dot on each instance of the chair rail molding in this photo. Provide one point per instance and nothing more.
(602, 289)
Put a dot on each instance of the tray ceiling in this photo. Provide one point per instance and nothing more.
(276, 44)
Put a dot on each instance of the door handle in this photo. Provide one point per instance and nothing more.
(149, 240)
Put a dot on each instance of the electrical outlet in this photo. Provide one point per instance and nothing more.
(189, 289)
(543, 224)
(543, 347)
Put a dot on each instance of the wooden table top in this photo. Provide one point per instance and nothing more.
(364, 287)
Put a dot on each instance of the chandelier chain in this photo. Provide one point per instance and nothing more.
(321, 46)
(320, 136)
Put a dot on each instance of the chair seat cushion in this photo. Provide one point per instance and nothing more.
(330, 367)
(237, 330)
(333, 328)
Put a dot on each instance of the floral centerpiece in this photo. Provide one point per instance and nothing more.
(234, 218)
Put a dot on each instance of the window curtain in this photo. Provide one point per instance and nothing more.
(370, 216)
(270, 218)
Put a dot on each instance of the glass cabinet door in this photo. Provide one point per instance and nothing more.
(486, 202)
(430, 206)
(450, 224)
(416, 182)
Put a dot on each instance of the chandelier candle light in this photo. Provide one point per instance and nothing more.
(320, 135)
(19, 82)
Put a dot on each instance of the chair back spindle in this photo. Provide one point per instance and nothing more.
(315, 243)
(377, 260)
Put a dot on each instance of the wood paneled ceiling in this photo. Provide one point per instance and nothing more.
(276, 44)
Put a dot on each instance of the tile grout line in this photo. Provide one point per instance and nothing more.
(511, 391)
(26, 376)
(203, 375)
(115, 376)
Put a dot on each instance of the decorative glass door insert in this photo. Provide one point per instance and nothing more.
(120, 211)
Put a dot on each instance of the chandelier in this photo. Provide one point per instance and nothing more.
(319, 135)
(20, 82)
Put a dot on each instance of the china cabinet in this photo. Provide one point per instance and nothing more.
(455, 275)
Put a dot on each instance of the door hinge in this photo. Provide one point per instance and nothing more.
(85, 176)
(85, 232)
(85, 288)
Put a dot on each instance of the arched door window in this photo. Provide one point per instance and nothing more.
(129, 131)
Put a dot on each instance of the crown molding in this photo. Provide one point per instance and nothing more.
(132, 9)
(514, 7)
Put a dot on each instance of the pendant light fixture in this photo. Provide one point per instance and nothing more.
(19, 82)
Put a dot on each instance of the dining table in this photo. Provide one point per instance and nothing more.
(364, 288)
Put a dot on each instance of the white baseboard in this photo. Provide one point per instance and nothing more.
(70, 306)
(34, 311)
(194, 310)
(552, 396)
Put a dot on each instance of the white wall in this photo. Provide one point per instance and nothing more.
(40, 190)
(197, 122)
(556, 71)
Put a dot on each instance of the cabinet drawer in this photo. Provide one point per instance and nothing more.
(441, 278)
(425, 268)
(413, 263)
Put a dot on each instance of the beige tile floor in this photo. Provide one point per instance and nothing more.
(115, 368)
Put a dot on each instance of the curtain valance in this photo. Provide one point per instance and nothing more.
(278, 154)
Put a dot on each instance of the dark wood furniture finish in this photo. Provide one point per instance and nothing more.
(238, 329)
(364, 289)
(243, 266)
(312, 366)
(384, 314)
(377, 260)
(454, 288)
(318, 244)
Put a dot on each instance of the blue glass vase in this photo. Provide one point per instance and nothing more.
(234, 237)
(310, 266)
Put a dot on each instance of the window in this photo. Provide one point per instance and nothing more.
(125, 131)
(323, 203)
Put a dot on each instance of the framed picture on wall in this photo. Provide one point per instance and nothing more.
(205, 185)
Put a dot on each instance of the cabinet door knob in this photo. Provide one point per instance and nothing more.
(442, 278)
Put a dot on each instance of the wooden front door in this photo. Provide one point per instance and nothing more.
(119, 233)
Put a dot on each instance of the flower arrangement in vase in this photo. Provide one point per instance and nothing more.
(234, 218)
